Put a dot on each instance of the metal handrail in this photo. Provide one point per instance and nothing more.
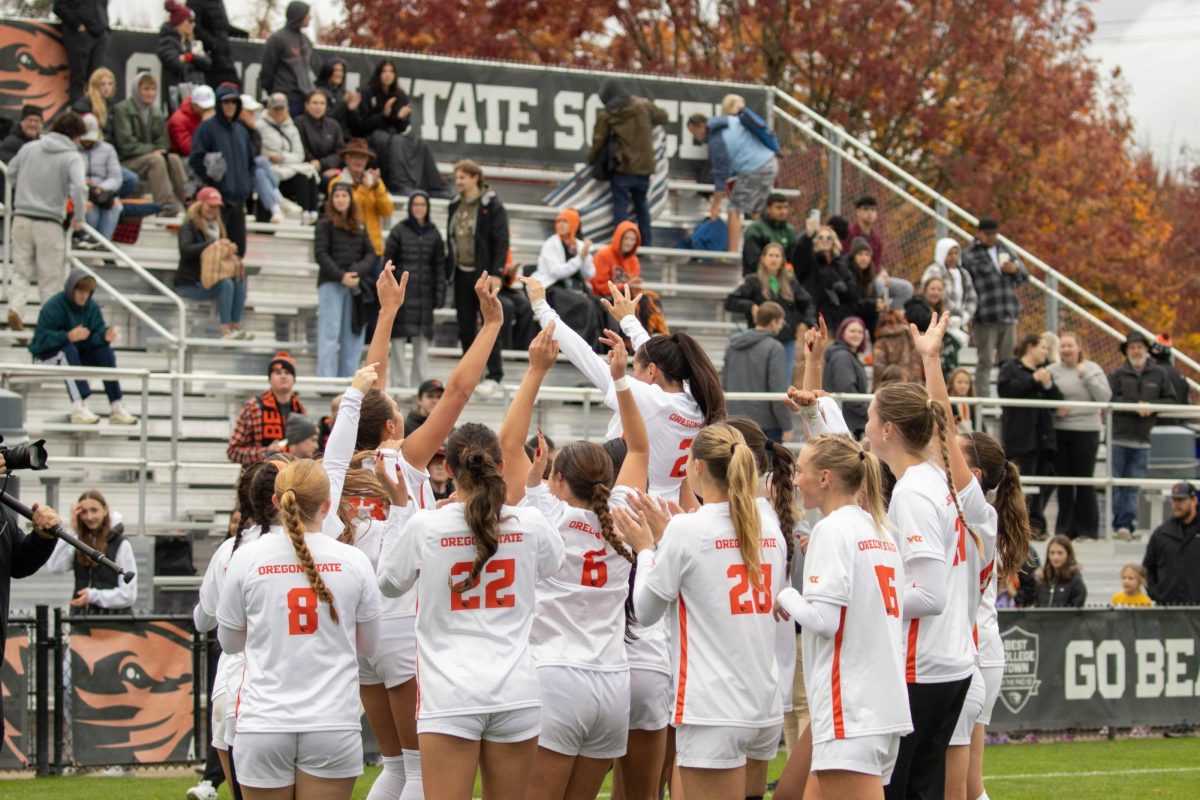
(123, 301)
(909, 178)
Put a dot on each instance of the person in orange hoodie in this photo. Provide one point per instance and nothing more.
(618, 263)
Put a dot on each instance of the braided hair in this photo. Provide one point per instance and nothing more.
(301, 488)
(473, 454)
(588, 471)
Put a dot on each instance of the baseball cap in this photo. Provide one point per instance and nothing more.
(91, 132)
(1182, 491)
(277, 100)
(431, 386)
(203, 97)
(299, 428)
(250, 104)
(209, 196)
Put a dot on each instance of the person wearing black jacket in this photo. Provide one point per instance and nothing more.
(825, 276)
(1172, 558)
(345, 257)
(214, 31)
(287, 59)
(477, 241)
(184, 61)
(1028, 433)
(322, 136)
(223, 157)
(342, 106)
(844, 372)
(415, 246)
(85, 38)
(775, 283)
(21, 555)
(1061, 584)
(27, 130)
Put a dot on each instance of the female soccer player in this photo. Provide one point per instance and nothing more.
(303, 598)
(478, 561)
(902, 421)
(850, 620)
(578, 635)
(718, 569)
(676, 387)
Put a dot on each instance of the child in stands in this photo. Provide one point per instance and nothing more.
(1133, 588)
(960, 385)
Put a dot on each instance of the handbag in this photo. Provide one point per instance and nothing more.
(217, 264)
(606, 163)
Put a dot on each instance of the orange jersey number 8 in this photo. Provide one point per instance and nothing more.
(302, 612)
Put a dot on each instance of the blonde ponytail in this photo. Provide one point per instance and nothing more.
(732, 466)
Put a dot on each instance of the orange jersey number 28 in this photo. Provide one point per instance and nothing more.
(747, 599)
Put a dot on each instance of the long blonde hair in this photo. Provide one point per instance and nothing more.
(99, 104)
(857, 469)
(784, 279)
(195, 215)
(301, 488)
(731, 466)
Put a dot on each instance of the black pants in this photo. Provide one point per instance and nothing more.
(515, 332)
(580, 311)
(85, 55)
(1039, 463)
(920, 772)
(233, 214)
(301, 190)
(1078, 510)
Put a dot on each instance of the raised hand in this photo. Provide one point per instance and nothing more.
(653, 510)
(798, 398)
(633, 530)
(618, 356)
(364, 379)
(397, 489)
(538, 468)
(816, 339)
(389, 292)
(489, 300)
(543, 350)
(535, 290)
(623, 303)
(929, 343)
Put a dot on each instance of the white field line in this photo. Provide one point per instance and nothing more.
(1088, 774)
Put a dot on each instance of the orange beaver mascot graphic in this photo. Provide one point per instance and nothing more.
(33, 68)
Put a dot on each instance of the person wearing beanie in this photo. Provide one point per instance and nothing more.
(287, 62)
(184, 61)
(183, 122)
(871, 289)
(302, 435)
(1138, 380)
(223, 133)
(262, 423)
(345, 260)
(28, 129)
(85, 39)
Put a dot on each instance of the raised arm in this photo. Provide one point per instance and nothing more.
(815, 341)
(420, 447)
(624, 309)
(577, 351)
(391, 298)
(929, 346)
(340, 447)
(515, 428)
(635, 468)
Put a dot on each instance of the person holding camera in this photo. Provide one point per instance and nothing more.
(72, 331)
(104, 179)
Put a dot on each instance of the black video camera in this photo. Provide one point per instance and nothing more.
(28, 455)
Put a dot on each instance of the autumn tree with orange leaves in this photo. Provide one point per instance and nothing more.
(994, 103)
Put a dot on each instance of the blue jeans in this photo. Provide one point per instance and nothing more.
(789, 350)
(635, 188)
(265, 183)
(78, 354)
(339, 349)
(1128, 462)
(104, 220)
(229, 294)
(129, 183)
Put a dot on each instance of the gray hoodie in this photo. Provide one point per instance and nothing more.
(47, 172)
(287, 57)
(755, 361)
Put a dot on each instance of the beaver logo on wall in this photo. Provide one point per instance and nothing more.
(33, 68)
(131, 692)
(15, 676)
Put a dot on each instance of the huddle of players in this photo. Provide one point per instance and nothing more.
(590, 614)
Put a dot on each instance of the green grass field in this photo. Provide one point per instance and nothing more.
(1164, 769)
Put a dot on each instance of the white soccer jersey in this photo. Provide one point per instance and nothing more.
(938, 648)
(473, 652)
(855, 681)
(983, 520)
(722, 628)
(580, 620)
(210, 596)
(301, 666)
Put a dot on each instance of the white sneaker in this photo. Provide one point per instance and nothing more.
(486, 388)
(278, 218)
(83, 416)
(1123, 534)
(122, 417)
(290, 208)
(242, 333)
(308, 218)
(202, 791)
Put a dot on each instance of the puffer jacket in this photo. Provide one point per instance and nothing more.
(829, 283)
(322, 139)
(419, 251)
(338, 251)
(192, 68)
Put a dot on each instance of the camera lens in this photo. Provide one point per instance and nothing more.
(29, 455)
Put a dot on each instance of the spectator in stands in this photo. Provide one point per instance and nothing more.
(824, 275)
(183, 122)
(755, 361)
(27, 130)
(46, 174)
(287, 62)
(1138, 380)
(1028, 433)
(738, 159)
(385, 106)
(773, 226)
(384, 117)
(923, 308)
(439, 477)
(322, 136)
(98, 590)
(184, 61)
(477, 240)
(140, 136)
(1060, 584)
(72, 331)
(85, 38)
(958, 289)
(565, 267)
(262, 422)
(429, 393)
(844, 371)
(302, 435)
(342, 105)
(960, 384)
(284, 148)
(1077, 433)
(370, 193)
(775, 283)
(345, 260)
(871, 290)
(226, 143)
(98, 101)
(202, 228)
(1172, 558)
(1162, 353)
(1133, 591)
(894, 356)
(617, 263)
(866, 215)
(266, 184)
(102, 170)
(996, 275)
(214, 30)
(630, 120)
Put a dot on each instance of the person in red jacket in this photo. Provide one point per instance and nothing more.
(184, 120)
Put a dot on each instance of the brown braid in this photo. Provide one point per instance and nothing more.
(359, 482)
(599, 503)
(939, 418)
(293, 523)
(473, 454)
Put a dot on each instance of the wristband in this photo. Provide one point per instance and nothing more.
(621, 384)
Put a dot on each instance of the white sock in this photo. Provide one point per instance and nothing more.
(414, 789)
(983, 796)
(116, 407)
(79, 406)
(390, 782)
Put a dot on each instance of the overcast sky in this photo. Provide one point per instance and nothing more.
(1154, 42)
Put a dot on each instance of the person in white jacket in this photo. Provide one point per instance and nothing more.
(960, 298)
(283, 147)
(564, 267)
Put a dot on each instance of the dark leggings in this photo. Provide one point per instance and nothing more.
(920, 772)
